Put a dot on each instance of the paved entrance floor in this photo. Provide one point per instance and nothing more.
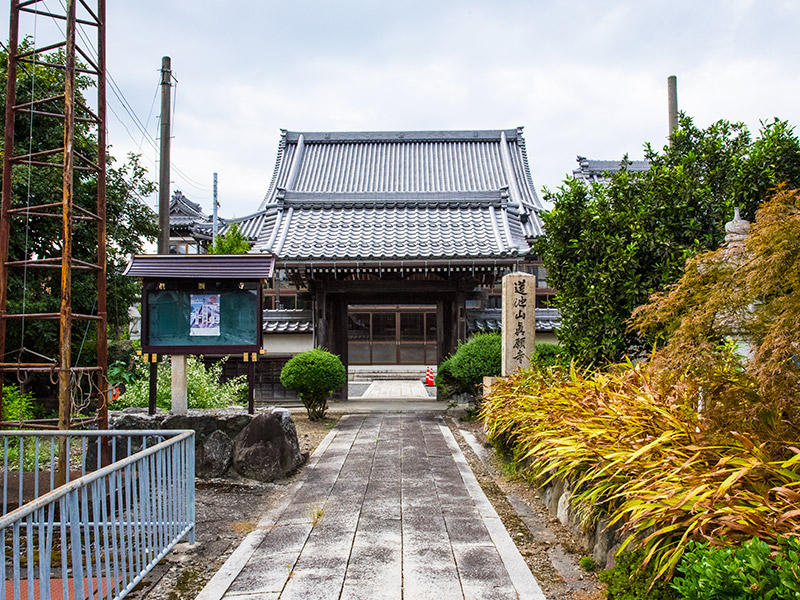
(396, 389)
(387, 508)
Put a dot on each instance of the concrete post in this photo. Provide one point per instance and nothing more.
(519, 321)
(164, 164)
(180, 388)
(672, 105)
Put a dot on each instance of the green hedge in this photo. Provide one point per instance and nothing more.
(550, 355)
(446, 383)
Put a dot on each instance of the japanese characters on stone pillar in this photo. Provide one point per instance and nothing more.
(519, 321)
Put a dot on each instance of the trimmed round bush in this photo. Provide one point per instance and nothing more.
(314, 375)
(478, 357)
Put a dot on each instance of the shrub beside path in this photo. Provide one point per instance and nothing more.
(387, 508)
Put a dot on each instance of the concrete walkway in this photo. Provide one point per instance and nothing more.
(387, 508)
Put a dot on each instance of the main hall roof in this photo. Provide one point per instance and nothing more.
(368, 196)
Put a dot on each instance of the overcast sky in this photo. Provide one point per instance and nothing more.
(582, 77)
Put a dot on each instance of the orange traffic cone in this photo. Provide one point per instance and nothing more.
(429, 376)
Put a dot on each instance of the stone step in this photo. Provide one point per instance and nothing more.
(377, 374)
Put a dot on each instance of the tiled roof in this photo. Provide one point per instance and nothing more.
(200, 266)
(300, 321)
(183, 213)
(491, 319)
(385, 195)
(594, 171)
(477, 226)
(288, 321)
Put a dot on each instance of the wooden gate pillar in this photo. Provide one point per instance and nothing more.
(338, 336)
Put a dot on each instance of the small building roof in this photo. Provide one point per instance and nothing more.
(183, 213)
(491, 319)
(288, 321)
(249, 226)
(596, 171)
(201, 266)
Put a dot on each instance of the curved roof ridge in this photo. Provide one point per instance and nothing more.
(402, 136)
(278, 163)
(527, 170)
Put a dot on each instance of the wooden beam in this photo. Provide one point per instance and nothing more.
(434, 286)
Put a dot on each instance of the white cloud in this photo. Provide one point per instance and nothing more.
(583, 78)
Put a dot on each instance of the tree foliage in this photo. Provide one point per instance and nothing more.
(607, 248)
(232, 242)
(129, 220)
(752, 297)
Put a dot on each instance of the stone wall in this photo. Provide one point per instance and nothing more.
(229, 443)
(601, 541)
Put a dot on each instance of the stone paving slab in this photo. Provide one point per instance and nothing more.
(387, 508)
(396, 389)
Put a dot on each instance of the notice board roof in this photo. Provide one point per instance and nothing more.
(201, 266)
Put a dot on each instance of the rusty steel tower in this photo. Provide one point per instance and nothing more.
(78, 50)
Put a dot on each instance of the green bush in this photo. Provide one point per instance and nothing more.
(549, 355)
(478, 357)
(749, 571)
(204, 388)
(314, 375)
(17, 406)
(446, 383)
(628, 580)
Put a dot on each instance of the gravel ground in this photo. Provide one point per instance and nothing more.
(228, 510)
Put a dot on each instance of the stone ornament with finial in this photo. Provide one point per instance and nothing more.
(736, 232)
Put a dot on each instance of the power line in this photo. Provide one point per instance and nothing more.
(128, 108)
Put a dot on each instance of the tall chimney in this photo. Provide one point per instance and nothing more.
(672, 94)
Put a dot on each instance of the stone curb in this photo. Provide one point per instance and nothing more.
(521, 577)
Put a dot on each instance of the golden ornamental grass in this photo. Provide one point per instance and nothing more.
(633, 449)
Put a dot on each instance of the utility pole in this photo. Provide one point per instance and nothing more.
(214, 212)
(179, 382)
(163, 180)
(672, 101)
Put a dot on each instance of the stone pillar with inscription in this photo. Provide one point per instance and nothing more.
(519, 321)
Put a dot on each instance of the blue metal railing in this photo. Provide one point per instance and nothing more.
(100, 533)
